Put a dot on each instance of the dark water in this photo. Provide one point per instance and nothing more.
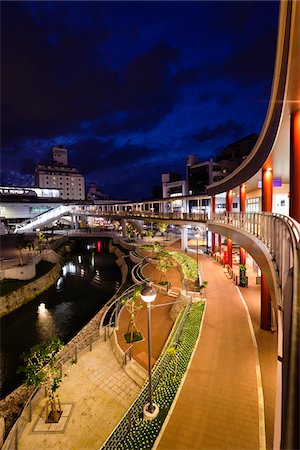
(88, 280)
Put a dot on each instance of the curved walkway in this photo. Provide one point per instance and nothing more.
(218, 405)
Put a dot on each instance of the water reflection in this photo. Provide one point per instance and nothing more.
(69, 268)
(88, 280)
(45, 323)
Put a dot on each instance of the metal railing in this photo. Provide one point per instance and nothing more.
(66, 358)
(281, 236)
(137, 272)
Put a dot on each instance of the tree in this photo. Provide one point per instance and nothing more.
(164, 264)
(41, 370)
(42, 239)
(162, 227)
(133, 305)
(22, 243)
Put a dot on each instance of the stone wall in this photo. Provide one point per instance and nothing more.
(25, 294)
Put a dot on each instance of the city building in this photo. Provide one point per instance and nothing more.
(95, 193)
(58, 174)
(22, 203)
(200, 174)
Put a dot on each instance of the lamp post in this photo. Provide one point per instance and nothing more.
(197, 236)
(148, 295)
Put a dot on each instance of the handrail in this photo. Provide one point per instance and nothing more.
(136, 272)
(281, 236)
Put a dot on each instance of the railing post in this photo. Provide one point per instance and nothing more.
(75, 354)
(16, 436)
(30, 411)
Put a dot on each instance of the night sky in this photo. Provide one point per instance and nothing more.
(131, 88)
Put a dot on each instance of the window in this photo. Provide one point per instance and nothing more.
(252, 204)
(38, 209)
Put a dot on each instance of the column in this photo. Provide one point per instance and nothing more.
(295, 166)
(229, 241)
(213, 235)
(242, 210)
(220, 244)
(267, 194)
(123, 225)
(265, 313)
(229, 201)
(229, 249)
(184, 237)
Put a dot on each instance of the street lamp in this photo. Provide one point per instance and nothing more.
(148, 295)
(197, 236)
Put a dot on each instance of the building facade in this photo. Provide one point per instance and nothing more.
(59, 175)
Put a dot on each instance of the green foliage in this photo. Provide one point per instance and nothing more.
(164, 264)
(162, 227)
(188, 265)
(143, 433)
(40, 368)
(150, 233)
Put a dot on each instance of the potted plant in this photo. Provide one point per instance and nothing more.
(202, 286)
(243, 277)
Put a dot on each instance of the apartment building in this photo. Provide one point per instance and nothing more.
(59, 175)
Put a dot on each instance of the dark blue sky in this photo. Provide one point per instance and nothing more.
(131, 88)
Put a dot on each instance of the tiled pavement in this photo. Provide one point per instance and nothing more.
(100, 392)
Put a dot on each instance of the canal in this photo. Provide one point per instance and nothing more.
(89, 278)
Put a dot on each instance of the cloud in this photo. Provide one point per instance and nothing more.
(230, 128)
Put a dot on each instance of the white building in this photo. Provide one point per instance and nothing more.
(59, 175)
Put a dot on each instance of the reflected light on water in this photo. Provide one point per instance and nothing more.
(69, 268)
(42, 309)
(45, 323)
(59, 284)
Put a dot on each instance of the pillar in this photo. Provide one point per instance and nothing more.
(229, 241)
(220, 244)
(267, 194)
(267, 189)
(184, 237)
(123, 225)
(213, 235)
(242, 210)
(295, 166)
(265, 313)
(242, 256)
(229, 201)
(229, 249)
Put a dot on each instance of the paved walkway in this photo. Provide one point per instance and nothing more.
(218, 405)
(99, 392)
